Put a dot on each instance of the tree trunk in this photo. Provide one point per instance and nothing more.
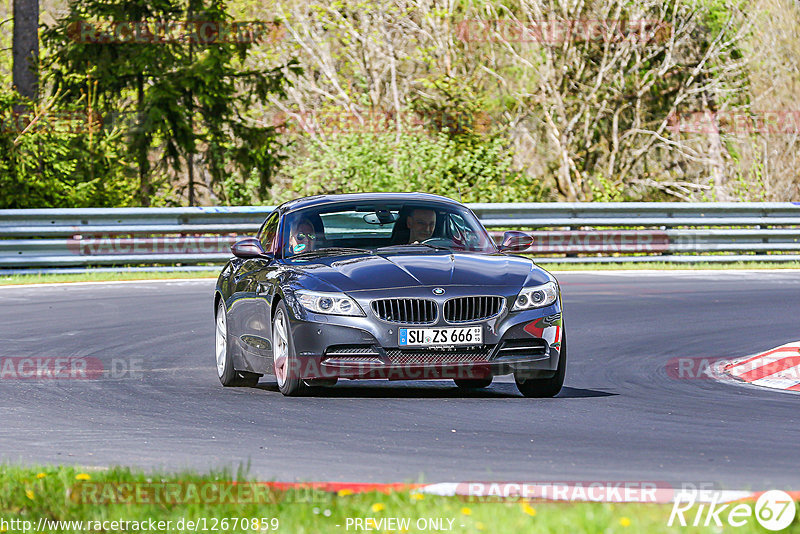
(141, 145)
(26, 47)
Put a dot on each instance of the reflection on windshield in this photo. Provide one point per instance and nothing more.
(368, 227)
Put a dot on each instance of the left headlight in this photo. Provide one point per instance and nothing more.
(536, 297)
(330, 303)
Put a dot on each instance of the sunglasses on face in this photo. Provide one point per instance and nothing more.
(302, 236)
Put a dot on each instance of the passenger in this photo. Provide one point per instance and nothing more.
(302, 237)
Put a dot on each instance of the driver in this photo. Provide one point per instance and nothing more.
(421, 223)
(302, 237)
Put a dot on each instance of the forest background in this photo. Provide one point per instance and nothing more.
(197, 102)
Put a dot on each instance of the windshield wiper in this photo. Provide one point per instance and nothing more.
(334, 250)
(434, 247)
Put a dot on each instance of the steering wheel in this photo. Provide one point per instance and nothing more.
(438, 241)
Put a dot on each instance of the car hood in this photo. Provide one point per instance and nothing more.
(381, 271)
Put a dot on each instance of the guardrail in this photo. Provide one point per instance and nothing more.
(563, 232)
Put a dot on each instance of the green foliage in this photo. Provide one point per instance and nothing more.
(450, 105)
(205, 102)
(189, 97)
(56, 157)
(750, 186)
(240, 192)
(478, 169)
(604, 190)
(717, 13)
(450, 151)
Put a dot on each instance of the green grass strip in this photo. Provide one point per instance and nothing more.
(61, 494)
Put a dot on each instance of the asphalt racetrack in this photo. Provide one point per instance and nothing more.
(622, 415)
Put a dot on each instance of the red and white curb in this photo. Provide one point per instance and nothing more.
(778, 368)
(590, 491)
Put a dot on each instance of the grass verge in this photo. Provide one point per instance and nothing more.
(67, 494)
(663, 266)
(101, 276)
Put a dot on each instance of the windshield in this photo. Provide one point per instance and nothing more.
(390, 226)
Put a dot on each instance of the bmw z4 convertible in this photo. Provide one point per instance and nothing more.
(398, 286)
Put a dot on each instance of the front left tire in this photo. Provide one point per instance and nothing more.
(228, 376)
(473, 383)
(321, 382)
(541, 388)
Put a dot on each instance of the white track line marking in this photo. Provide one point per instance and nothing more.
(669, 272)
(105, 282)
(775, 383)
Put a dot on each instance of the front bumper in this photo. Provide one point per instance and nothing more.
(329, 346)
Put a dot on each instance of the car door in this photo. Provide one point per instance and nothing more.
(249, 315)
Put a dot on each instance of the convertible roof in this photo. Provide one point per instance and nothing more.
(320, 200)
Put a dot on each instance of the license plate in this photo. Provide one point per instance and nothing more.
(437, 337)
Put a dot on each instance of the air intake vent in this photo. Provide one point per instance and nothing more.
(467, 309)
(405, 311)
(351, 350)
(523, 347)
(404, 357)
(351, 355)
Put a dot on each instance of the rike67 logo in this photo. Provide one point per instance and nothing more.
(774, 510)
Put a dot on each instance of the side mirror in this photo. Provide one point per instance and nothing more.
(514, 241)
(247, 248)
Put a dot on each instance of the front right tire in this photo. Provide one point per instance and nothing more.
(545, 387)
(285, 362)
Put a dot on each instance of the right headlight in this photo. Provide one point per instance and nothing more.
(536, 297)
(329, 303)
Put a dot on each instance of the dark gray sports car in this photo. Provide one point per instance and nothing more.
(400, 286)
